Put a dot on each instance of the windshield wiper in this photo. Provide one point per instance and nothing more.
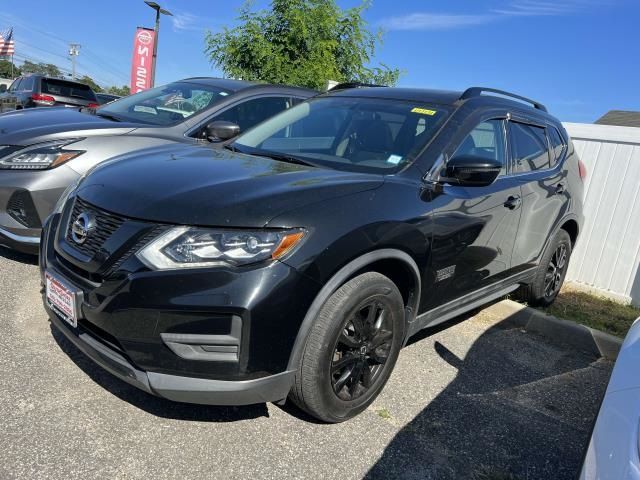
(109, 116)
(282, 157)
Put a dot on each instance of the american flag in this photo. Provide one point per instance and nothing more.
(7, 45)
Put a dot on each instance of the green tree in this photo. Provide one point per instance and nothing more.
(123, 91)
(300, 42)
(48, 69)
(87, 80)
(5, 69)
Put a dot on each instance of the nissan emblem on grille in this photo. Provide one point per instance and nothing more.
(82, 227)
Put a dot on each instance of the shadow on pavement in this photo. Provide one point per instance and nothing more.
(155, 405)
(519, 407)
(18, 256)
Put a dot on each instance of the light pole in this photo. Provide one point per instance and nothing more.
(159, 11)
(74, 51)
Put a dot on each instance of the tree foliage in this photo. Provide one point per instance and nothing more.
(300, 42)
(123, 91)
(5, 69)
(48, 69)
(87, 80)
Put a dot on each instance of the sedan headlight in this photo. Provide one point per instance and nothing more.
(190, 247)
(41, 156)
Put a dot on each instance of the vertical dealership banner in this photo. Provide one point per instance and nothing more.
(142, 63)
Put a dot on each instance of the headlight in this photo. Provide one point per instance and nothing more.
(40, 156)
(190, 247)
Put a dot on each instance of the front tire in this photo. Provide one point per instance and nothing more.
(551, 272)
(351, 349)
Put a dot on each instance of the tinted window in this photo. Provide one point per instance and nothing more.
(250, 113)
(557, 145)
(529, 147)
(53, 86)
(355, 134)
(485, 141)
(27, 84)
(166, 105)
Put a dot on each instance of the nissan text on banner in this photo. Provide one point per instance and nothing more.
(142, 64)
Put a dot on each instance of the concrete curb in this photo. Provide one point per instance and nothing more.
(583, 338)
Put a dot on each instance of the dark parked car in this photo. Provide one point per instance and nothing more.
(104, 98)
(35, 90)
(299, 260)
(44, 152)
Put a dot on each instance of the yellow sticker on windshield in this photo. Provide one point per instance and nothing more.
(424, 111)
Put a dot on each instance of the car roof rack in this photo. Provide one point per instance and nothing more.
(345, 85)
(477, 91)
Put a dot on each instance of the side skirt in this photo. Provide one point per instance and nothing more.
(468, 302)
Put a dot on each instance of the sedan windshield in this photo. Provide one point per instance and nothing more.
(347, 133)
(166, 105)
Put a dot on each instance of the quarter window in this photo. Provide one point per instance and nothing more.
(485, 141)
(557, 145)
(529, 147)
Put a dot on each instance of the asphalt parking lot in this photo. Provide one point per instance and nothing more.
(476, 400)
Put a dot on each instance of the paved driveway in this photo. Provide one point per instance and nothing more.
(475, 400)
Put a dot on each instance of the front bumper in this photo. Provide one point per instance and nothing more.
(217, 336)
(179, 388)
(37, 193)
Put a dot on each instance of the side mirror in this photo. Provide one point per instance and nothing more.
(3, 88)
(221, 130)
(472, 171)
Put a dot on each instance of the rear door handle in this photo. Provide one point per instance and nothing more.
(513, 202)
(560, 188)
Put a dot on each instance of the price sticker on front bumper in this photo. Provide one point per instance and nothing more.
(62, 299)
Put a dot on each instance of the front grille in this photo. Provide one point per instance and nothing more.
(106, 224)
(22, 209)
(144, 239)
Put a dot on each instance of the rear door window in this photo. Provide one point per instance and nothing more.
(557, 145)
(27, 84)
(62, 88)
(529, 147)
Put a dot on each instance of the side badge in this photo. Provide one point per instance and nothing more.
(445, 273)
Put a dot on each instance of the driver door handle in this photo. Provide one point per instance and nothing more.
(513, 202)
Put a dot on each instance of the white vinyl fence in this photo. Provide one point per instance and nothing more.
(608, 251)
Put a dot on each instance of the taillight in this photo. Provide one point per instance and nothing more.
(93, 105)
(582, 170)
(43, 99)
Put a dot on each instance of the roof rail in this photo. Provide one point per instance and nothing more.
(345, 85)
(477, 91)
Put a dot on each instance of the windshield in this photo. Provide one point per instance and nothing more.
(347, 133)
(166, 105)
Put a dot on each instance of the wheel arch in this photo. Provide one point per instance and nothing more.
(396, 264)
(570, 225)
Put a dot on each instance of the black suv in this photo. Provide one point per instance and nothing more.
(297, 261)
(41, 91)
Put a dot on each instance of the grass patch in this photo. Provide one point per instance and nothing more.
(594, 311)
(384, 413)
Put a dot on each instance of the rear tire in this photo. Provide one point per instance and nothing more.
(351, 349)
(549, 277)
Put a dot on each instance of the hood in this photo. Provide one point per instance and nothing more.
(205, 186)
(29, 126)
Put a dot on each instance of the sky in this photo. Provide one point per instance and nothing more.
(579, 57)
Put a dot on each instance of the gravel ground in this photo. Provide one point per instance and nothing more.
(474, 400)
